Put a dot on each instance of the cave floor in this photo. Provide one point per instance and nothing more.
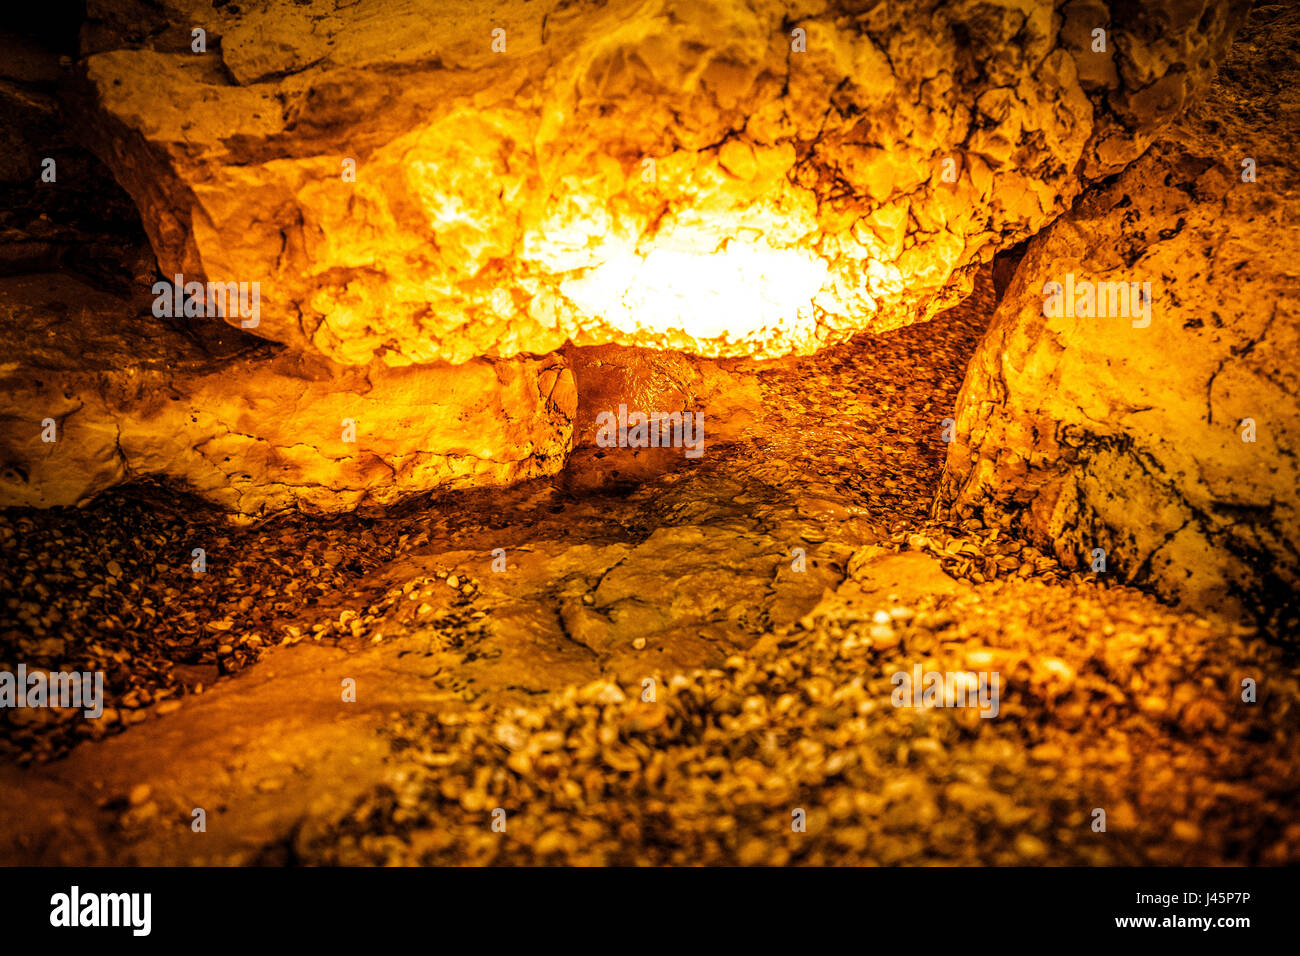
(523, 689)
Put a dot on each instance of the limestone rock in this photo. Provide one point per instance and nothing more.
(1172, 447)
(723, 398)
(253, 429)
(723, 178)
(724, 392)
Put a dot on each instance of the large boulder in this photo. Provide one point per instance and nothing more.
(1171, 446)
(728, 179)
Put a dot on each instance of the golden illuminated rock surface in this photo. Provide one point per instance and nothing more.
(726, 178)
(253, 429)
(521, 684)
(1171, 447)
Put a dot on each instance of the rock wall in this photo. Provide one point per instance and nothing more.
(89, 403)
(1172, 447)
(427, 196)
(250, 426)
(728, 179)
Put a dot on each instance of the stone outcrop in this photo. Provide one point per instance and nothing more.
(728, 179)
(252, 428)
(248, 425)
(1172, 447)
(626, 183)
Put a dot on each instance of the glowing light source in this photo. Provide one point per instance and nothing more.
(732, 293)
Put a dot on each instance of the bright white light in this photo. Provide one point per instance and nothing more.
(733, 293)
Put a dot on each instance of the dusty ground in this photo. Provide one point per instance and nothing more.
(522, 689)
